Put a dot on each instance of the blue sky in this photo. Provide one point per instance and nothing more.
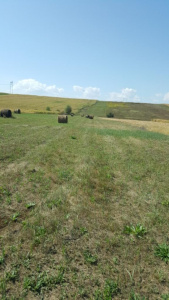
(97, 49)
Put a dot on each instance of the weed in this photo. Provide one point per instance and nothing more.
(83, 230)
(165, 203)
(4, 192)
(137, 230)
(40, 230)
(162, 251)
(73, 137)
(2, 257)
(43, 281)
(165, 297)
(54, 202)
(30, 205)
(134, 296)
(92, 259)
(3, 288)
(110, 289)
(12, 275)
(15, 217)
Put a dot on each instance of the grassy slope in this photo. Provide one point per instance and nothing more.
(35, 104)
(67, 191)
(135, 111)
(121, 110)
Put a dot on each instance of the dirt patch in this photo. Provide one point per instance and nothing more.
(14, 167)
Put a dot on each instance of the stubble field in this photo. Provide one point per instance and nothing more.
(83, 209)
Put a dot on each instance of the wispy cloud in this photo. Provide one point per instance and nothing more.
(87, 93)
(32, 86)
(126, 95)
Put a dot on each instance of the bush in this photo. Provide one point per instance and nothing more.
(110, 115)
(68, 109)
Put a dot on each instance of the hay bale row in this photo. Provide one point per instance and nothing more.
(17, 111)
(6, 113)
(89, 116)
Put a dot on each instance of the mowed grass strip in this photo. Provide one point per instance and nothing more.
(66, 203)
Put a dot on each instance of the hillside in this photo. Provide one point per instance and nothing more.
(56, 105)
(41, 104)
(135, 111)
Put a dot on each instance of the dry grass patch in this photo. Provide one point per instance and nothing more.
(160, 126)
(36, 104)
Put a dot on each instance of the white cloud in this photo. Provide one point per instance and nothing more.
(32, 86)
(88, 92)
(125, 95)
(166, 98)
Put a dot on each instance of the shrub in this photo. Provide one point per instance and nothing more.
(110, 115)
(162, 251)
(68, 109)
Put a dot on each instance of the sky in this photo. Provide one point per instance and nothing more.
(111, 50)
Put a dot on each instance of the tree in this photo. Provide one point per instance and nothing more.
(110, 114)
(68, 109)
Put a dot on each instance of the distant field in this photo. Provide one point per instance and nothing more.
(39, 104)
(83, 209)
(121, 110)
(133, 111)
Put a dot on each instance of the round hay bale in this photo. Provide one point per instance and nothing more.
(91, 117)
(17, 111)
(6, 113)
(63, 119)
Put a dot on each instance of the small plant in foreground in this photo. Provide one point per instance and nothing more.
(110, 289)
(165, 297)
(30, 205)
(163, 252)
(3, 288)
(165, 203)
(43, 280)
(15, 217)
(134, 296)
(2, 257)
(12, 275)
(137, 230)
(83, 230)
(92, 259)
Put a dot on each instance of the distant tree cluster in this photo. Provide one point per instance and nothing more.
(110, 114)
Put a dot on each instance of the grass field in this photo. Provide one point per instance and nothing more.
(40, 104)
(83, 209)
(55, 105)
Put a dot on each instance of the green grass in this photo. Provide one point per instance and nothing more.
(134, 111)
(138, 134)
(67, 192)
